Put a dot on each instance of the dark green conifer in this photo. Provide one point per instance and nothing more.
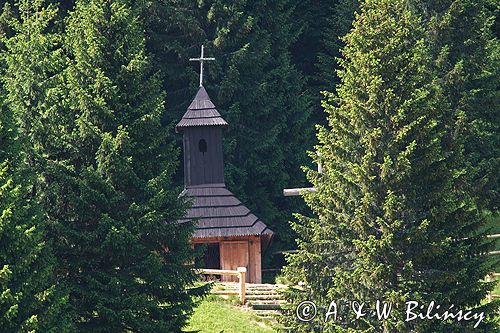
(319, 26)
(106, 181)
(467, 57)
(394, 224)
(30, 299)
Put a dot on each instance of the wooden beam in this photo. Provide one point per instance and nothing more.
(242, 271)
(291, 192)
(219, 239)
(218, 272)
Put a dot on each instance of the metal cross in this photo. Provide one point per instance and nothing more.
(201, 59)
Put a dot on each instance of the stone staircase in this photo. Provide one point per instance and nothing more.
(264, 299)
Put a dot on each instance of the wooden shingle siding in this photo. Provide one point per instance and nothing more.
(201, 112)
(219, 213)
(199, 212)
(206, 113)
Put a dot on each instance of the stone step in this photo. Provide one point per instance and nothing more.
(248, 292)
(225, 292)
(266, 306)
(272, 301)
(250, 286)
(246, 287)
(267, 314)
(261, 291)
(263, 297)
(264, 303)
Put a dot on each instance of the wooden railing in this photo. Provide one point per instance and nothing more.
(240, 273)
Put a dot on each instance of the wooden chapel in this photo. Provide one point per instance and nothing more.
(233, 236)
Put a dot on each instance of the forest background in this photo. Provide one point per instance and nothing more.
(273, 61)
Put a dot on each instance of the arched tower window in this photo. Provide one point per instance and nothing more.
(202, 146)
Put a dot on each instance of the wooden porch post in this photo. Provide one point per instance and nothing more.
(241, 275)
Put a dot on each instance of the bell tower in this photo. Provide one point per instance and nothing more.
(234, 235)
(201, 127)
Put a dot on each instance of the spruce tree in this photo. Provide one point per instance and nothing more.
(30, 299)
(394, 223)
(106, 184)
(467, 57)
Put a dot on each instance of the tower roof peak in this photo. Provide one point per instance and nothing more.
(201, 112)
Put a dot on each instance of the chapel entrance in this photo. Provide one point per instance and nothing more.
(234, 254)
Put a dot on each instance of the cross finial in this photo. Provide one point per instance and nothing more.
(201, 59)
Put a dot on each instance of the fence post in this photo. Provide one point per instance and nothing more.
(490, 296)
(242, 276)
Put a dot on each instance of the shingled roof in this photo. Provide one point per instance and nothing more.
(201, 112)
(219, 213)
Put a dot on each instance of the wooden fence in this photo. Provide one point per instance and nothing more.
(240, 273)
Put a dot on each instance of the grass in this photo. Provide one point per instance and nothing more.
(216, 315)
(496, 291)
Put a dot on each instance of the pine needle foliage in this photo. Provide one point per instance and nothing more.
(31, 300)
(394, 222)
(104, 164)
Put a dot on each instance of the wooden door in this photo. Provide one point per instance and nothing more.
(234, 254)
